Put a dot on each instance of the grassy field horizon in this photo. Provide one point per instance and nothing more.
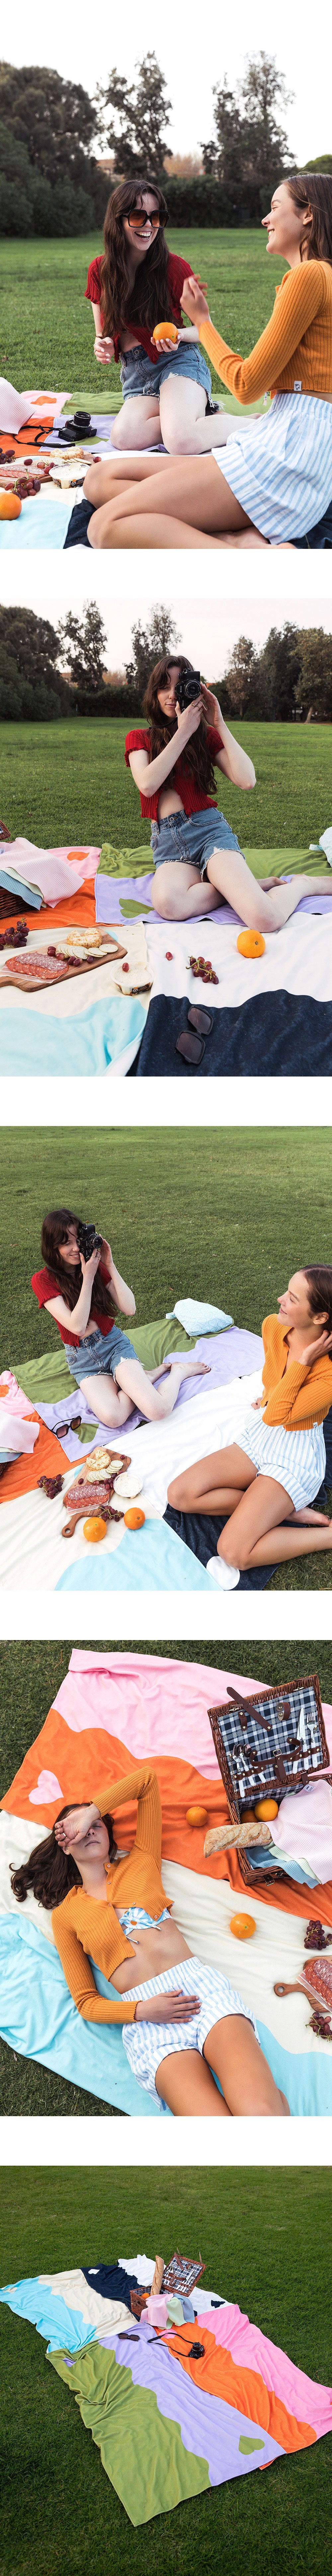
(67, 781)
(46, 326)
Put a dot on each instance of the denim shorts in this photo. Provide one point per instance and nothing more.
(143, 375)
(99, 1353)
(191, 838)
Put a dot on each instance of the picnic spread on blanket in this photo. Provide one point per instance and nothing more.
(151, 1546)
(120, 1001)
(178, 2388)
(116, 1710)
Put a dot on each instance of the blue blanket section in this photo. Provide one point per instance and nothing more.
(306, 2081)
(86, 1044)
(148, 1560)
(273, 1033)
(39, 2020)
(44, 521)
(53, 2317)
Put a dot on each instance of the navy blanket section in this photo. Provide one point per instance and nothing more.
(77, 533)
(201, 1533)
(317, 537)
(111, 2281)
(274, 1033)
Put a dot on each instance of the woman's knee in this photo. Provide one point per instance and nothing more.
(176, 1492)
(163, 895)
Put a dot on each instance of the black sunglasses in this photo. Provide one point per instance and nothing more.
(74, 1425)
(140, 219)
(191, 1042)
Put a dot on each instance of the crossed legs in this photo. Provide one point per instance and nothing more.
(231, 2052)
(255, 1507)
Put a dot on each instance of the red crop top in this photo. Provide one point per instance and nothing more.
(194, 801)
(177, 270)
(45, 1286)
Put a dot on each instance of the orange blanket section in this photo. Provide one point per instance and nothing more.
(24, 444)
(77, 908)
(217, 2375)
(48, 1459)
(89, 1762)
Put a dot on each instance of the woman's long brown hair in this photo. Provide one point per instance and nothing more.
(69, 1281)
(319, 1280)
(313, 188)
(197, 755)
(50, 1872)
(148, 300)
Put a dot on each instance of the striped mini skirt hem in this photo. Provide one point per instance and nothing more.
(280, 467)
(296, 1459)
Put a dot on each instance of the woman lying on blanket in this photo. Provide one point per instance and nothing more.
(86, 1295)
(197, 858)
(137, 285)
(267, 1480)
(274, 482)
(178, 2032)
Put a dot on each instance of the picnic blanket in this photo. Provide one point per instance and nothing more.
(113, 1709)
(170, 2423)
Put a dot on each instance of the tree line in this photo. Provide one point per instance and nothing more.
(49, 672)
(51, 180)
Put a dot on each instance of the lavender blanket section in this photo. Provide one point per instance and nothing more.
(208, 2426)
(141, 890)
(229, 1354)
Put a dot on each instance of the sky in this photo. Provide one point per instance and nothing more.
(82, 48)
(207, 629)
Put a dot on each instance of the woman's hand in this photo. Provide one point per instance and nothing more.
(188, 722)
(316, 1350)
(172, 2007)
(211, 708)
(89, 1267)
(70, 1829)
(105, 1253)
(257, 1401)
(103, 350)
(193, 299)
(165, 345)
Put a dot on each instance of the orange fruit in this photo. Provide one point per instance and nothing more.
(134, 1519)
(165, 331)
(10, 506)
(266, 1807)
(94, 1530)
(250, 943)
(242, 1925)
(196, 1816)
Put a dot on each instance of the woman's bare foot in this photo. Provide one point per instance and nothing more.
(310, 1520)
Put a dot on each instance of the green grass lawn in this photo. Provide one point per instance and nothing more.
(46, 327)
(264, 2237)
(68, 781)
(229, 1213)
(30, 1676)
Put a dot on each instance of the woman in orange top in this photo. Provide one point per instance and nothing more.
(178, 2032)
(275, 478)
(267, 1480)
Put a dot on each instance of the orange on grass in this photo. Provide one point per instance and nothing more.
(242, 1925)
(250, 943)
(196, 1816)
(134, 1519)
(165, 331)
(94, 1529)
(10, 505)
(266, 1807)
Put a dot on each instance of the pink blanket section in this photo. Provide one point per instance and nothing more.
(10, 1389)
(310, 2403)
(150, 1702)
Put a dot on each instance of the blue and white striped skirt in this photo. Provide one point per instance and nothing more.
(296, 1459)
(147, 2042)
(280, 467)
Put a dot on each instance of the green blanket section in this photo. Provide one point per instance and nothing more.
(112, 402)
(48, 1380)
(141, 2450)
(125, 863)
(283, 863)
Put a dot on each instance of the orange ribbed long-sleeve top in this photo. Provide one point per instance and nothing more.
(84, 1929)
(295, 350)
(296, 1396)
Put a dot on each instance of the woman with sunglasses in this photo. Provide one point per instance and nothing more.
(197, 858)
(266, 1482)
(137, 285)
(182, 2022)
(272, 482)
(84, 1298)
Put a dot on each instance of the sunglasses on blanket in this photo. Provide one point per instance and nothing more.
(140, 219)
(191, 1041)
(74, 1425)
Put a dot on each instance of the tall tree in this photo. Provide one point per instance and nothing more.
(84, 640)
(139, 115)
(149, 644)
(242, 678)
(249, 149)
(54, 118)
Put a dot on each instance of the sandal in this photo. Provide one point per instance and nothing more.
(192, 1046)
